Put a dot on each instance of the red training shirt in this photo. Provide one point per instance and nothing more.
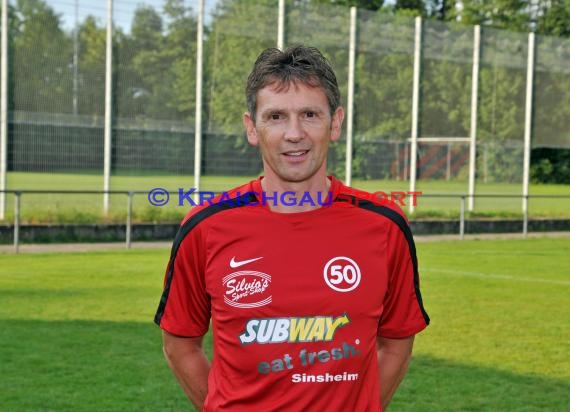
(296, 300)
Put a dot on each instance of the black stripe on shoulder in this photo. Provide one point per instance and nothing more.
(185, 229)
(405, 228)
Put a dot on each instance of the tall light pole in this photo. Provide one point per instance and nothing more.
(4, 108)
(75, 57)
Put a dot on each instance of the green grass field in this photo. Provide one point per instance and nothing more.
(77, 332)
(87, 208)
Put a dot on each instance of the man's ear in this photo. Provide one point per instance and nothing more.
(336, 123)
(250, 130)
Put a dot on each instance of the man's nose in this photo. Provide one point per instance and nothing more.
(294, 131)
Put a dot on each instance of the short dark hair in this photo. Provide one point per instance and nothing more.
(295, 64)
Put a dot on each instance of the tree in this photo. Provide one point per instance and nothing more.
(553, 18)
(180, 44)
(42, 56)
(92, 40)
(231, 49)
(163, 62)
(501, 14)
(440, 9)
(141, 64)
(550, 166)
(361, 4)
(146, 28)
(415, 6)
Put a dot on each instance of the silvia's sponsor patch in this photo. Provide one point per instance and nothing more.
(247, 289)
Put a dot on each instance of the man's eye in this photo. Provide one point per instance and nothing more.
(275, 116)
(310, 114)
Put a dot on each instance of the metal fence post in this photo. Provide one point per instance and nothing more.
(17, 221)
(528, 121)
(281, 25)
(415, 106)
(4, 108)
(108, 108)
(462, 218)
(474, 106)
(350, 97)
(198, 112)
(525, 217)
(129, 226)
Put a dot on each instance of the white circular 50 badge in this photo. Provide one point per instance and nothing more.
(342, 274)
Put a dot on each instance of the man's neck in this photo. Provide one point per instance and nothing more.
(314, 193)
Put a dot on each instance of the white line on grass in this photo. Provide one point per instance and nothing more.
(496, 276)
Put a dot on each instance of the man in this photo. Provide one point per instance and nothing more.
(314, 305)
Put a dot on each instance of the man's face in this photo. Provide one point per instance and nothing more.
(293, 129)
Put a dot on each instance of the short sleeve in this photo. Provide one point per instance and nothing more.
(184, 309)
(403, 314)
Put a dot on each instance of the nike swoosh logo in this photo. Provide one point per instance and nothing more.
(236, 264)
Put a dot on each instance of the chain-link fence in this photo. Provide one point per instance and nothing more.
(470, 130)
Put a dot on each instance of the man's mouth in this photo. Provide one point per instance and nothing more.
(296, 153)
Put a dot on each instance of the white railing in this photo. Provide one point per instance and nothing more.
(463, 198)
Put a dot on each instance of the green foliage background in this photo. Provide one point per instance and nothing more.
(155, 75)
